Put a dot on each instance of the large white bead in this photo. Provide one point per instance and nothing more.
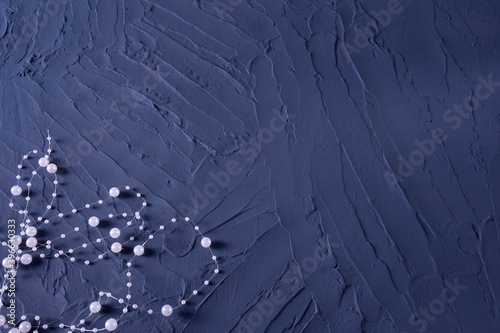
(114, 233)
(111, 324)
(95, 307)
(139, 250)
(16, 190)
(114, 192)
(167, 310)
(18, 240)
(51, 168)
(43, 162)
(2, 320)
(31, 231)
(31, 242)
(14, 330)
(116, 247)
(26, 259)
(7, 263)
(206, 242)
(94, 221)
(25, 327)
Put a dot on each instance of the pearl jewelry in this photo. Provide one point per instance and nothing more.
(25, 327)
(206, 242)
(31, 242)
(167, 310)
(116, 247)
(16, 190)
(95, 307)
(26, 259)
(139, 250)
(43, 162)
(111, 324)
(93, 221)
(7, 263)
(114, 233)
(114, 192)
(18, 239)
(51, 168)
(31, 231)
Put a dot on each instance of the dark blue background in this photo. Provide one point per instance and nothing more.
(299, 135)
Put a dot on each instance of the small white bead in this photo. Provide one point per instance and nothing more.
(162, 227)
(98, 240)
(56, 255)
(195, 292)
(11, 205)
(29, 184)
(214, 258)
(151, 236)
(207, 282)
(84, 245)
(76, 228)
(120, 300)
(186, 219)
(74, 211)
(34, 173)
(87, 262)
(56, 182)
(127, 187)
(18, 177)
(183, 302)
(124, 214)
(99, 256)
(129, 264)
(49, 207)
(138, 195)
(100, 202)
(60, 215)
(46, 221)
(63, 236)
(110, 216)
(87, 206)
(129, 284)
(174, 220)
(216, 271)
(150, 311)
(196, 228)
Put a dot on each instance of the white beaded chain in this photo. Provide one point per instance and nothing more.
(31, 225)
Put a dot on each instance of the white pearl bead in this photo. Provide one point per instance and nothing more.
(31, 231)
(93, 221)
(116, 247)
(7, 263)
(43, 162)
(95, 307)
(139, 250)
(111, 324)
(25, 327)
(16, 190)
(114, 233)
(14, 330)
(167, 310)
(26, 259)
(18, 240)
(31, 242)
(206, 242)
(51, 168)
(2, 320)
(114, 192)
